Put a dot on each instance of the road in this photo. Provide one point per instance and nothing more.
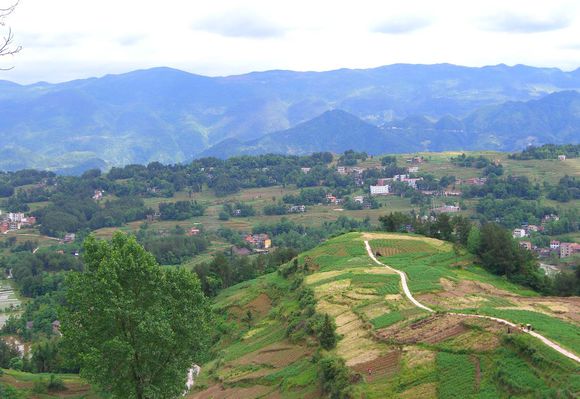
(408, 294)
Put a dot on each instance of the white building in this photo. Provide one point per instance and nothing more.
(413, 169)
(359, 198)
(519, 233)
(15, 217)
(380, 190)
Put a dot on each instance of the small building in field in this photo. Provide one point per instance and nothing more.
(331, 199)
(98, 195)
(297, 209)
(259, 241)
(447, 209)
(194, 231)
(380, 190)
(561, 157)
(69, 237)
(532, 227)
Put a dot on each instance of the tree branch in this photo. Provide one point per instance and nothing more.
(6, 43)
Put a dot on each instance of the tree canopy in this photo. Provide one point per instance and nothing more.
(136, 329)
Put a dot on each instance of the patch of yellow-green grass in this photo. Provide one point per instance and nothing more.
(24, 382)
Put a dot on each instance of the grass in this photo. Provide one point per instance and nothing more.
(424, 270)
(456, 374)
(24, 382)
(514, 375)
(387, 320)
(565, 334)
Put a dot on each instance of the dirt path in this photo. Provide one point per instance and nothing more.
(403, 279)
(545, 340)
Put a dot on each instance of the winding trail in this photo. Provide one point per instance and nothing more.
(408, 294)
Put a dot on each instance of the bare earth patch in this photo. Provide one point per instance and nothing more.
(382, 366)
(430, 330)
(468, 293)
(219, 392)
(276, 355)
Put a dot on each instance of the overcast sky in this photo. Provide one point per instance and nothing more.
(69, 39)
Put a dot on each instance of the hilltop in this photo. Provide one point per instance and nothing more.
(167, 115)
(389, 346)
(509, 126)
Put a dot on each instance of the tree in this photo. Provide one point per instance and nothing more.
(6, 43)
(473, 240)
(327, 335)
(135, 329)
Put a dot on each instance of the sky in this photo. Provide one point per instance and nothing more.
(71, 39)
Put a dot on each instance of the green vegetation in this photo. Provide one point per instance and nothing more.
(387, 319)
(134, 329)
(548, 151)
(562, 332)
(456, 374)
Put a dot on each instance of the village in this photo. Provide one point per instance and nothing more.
(556, 249)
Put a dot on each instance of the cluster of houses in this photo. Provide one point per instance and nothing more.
(560, 249)
(15, 221)
(528, 229)
(383, 186)
(258, 241)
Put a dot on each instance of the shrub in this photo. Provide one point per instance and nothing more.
(335, 377)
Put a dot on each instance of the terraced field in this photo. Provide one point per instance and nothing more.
(397, 349)
(9, 302)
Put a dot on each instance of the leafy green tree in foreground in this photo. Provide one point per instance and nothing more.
(135, 328)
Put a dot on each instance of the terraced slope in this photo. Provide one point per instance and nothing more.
(398, 350)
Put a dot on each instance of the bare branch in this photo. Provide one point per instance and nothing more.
(6, 43)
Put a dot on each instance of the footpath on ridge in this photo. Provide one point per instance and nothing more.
(415, 302)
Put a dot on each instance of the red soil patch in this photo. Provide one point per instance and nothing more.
(380, 367)
(276, 355)
(219, 392)
(259, 306)
(430, 330)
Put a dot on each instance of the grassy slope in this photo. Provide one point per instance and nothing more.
(24, 384)
(365, 302)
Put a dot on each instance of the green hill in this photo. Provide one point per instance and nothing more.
(390, 348)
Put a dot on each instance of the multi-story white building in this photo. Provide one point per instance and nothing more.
(380, 190)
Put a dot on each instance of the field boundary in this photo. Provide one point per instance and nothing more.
(418, 304)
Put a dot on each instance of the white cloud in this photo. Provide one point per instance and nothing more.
(68, 39)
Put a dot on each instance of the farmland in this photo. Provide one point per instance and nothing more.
(399, 350)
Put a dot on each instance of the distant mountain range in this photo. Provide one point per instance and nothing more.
(168, 115)
(554, 119)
